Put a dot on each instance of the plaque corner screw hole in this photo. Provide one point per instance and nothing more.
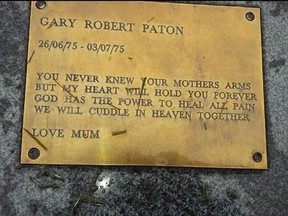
(33, 153)
(257, 157)
(250, 16)
(40, 5)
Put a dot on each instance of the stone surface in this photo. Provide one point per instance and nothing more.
(143, 190)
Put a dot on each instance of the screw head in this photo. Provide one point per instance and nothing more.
(257, 157)
(250, 16)
(33, 153)
(40, 5)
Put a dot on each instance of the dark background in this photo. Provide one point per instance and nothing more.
(34, 190)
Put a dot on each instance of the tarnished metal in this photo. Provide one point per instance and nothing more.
(144, 83)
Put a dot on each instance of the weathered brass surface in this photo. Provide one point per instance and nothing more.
(144, 83)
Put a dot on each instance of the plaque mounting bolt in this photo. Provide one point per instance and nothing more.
(257, 157)
(250, 16)
(33, 153)
(40, 5)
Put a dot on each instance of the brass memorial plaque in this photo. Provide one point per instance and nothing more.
(144, 83)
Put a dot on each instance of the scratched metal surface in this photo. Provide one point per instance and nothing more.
(221, 51)
(30, 190)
